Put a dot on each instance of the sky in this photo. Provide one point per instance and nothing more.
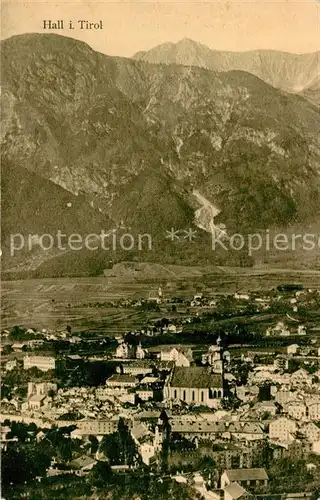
(291, 26)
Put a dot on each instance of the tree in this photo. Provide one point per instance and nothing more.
(265, 455)
(293, 366)
(100, 473)
(7, 349)
(23, 464)
(241, 372)
(94, 444)
(127, 444)
(288, 474)
(15, 467)
(58, 443)
(119, 447)
(17, 332)
(110, 446)
(232, 402)
(6, 391)
(24, 432)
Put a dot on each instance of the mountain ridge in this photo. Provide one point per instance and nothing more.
(106, 127)
(260, 62)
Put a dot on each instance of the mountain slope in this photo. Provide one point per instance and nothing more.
(290, 72)
(32, 206)
(138, 139)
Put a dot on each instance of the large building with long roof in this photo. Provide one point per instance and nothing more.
(194, 385)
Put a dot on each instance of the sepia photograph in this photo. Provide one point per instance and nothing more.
(160, 250)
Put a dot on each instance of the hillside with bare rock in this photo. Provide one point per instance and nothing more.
(152, 146)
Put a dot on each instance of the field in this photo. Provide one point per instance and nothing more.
(56, 302)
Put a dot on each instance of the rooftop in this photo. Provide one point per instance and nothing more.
(36, 398)
(195, 377)
(179, 425)
(121, 378)
(235, 490)
(83, 461)
(139, 363)
(139, 431)
(246, 474)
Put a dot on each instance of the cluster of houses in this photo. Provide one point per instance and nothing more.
(164, 395)
(282, 330)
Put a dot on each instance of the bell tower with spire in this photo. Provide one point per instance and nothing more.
(215, 358)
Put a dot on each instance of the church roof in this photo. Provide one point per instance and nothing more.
(197, 377)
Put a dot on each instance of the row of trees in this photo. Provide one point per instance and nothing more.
(26, 457)
(29, 454)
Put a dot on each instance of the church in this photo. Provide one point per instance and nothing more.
(202, 385)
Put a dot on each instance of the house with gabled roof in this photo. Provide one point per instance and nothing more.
(144, 440)
(235, 492)
(83, 465)
(244, 477)
(180, 355)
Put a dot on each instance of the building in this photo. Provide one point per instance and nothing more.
(282, 428)
(235, 492)
(83, 465)
(18, 346)
(173, 329)
(10, 365)
(283, 396)
(241, 296)
(301, 375)
(194, 385)
(155, 296)
(139, 367)
(281, 362)
(144, 394)
(280, 329)
(214, 357)
(314, 411)
(293, 349)
(266, 407)
(234, 456)
(41, 389)
(302, 330)
(98, 428)
(312, 432)
(144, 440)
(296, 409)
(180, 356)
(44, 363)
(244, 477)
(140, 353)
(35, 402)
(212, 430)
(123, 351)
(118, 380)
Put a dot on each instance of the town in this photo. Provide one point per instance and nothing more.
(213, 397)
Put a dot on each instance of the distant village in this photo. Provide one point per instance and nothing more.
(226, 419)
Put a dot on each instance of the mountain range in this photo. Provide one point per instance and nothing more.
(153, 146)
(298, 73)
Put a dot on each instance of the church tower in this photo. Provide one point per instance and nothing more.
(215, 357)
(140, 353)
